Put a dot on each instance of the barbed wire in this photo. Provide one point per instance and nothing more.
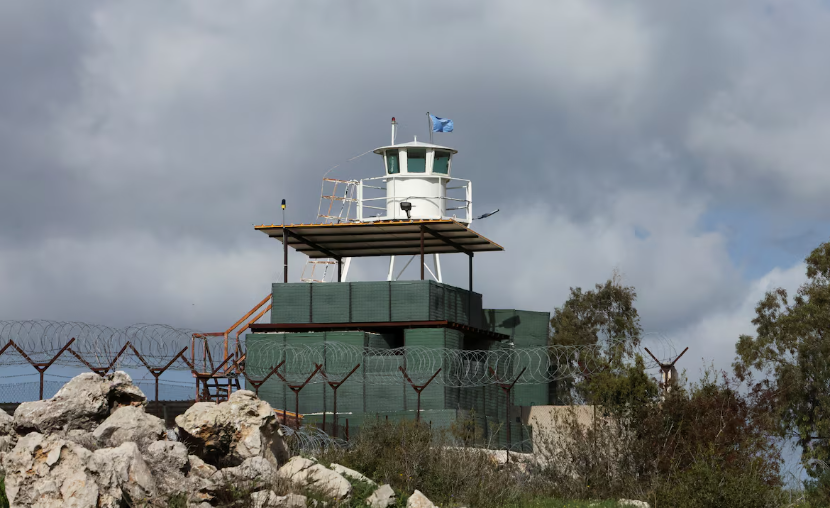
(99, 346)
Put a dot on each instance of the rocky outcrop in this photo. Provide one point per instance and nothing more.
(352, 474)
(419, 500)
(8, 438)
(49, 472)
(122, 475)
(129, 423)
(267, 499)
(327, 482)
(383, 497)
(82, 403)
(229, 433)
(308, 474)
(93, 446)
(253, 469)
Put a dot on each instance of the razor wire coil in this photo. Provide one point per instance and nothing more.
(158, 345)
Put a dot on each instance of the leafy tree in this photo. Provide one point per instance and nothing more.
(605, 317)
(606, 313)
(792, 352)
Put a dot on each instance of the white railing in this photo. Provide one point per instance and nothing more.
(373, 200)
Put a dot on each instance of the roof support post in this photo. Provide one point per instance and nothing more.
(284, 254)
(339, 269)
(470, 294)
(423, 230)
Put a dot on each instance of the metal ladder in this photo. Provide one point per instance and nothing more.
(337, 205)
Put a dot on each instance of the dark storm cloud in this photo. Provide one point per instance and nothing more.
(41, 45)
(140, 141)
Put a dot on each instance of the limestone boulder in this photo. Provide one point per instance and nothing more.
(265, 499)
(169, 466)
(307, 473)
(352, 474)
(49, 472)
(130, 423)
(200, 468)
(82, 403)
(419, 500)
(255, 470)
(202, 478)
(229, 433)
(383, 497)
(8, 438)
(294, 467)
(633, 502)
(121, 475)
(325, 481)
(293, 501)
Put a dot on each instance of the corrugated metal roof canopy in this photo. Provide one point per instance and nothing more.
(392, 238)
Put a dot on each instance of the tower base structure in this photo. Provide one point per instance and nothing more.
(384, 350)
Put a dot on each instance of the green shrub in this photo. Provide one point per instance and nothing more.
(4, 501)
(409, 456)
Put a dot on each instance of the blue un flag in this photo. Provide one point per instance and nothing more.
(441, 124)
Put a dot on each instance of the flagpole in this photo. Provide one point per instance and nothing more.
(429, 127)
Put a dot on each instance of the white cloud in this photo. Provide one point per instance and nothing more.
(712, 339)
(127, 279)
(679, 271)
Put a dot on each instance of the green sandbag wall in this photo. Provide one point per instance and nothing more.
(526, 329)
(371, 302)
(440, 393)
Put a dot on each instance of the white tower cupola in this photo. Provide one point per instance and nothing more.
(417, 178)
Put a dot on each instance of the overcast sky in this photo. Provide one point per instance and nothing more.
(683, 143)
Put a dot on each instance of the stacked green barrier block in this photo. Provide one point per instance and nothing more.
(380, 341)
(438, 296)
(330, 303)
(350, 393)
(527, 329)
(441, 393)
(291, 303)
(370, 302)
(262, 357)
(383, 396)
(410, 301)
(362, 302)
(531, 331)
(298, 368)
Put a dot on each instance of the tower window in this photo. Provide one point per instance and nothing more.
(392, 165)
(442, 162)
(416, 161)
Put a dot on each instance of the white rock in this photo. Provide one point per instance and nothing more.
(121, 470)
(326, 481)
(419, 500)
(47, 471)
(129, 423)
(82, 403)
(292, 501)
(351, 473)
(265, 499)
(383, 497)
(634, 503)
(168, 463)
(200, 468)
(253, 469)
(233, 431)
(295, 465)
(8, 438)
